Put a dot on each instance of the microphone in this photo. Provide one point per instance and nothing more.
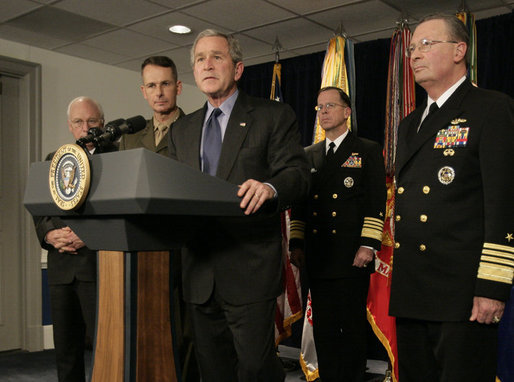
(92, 133)
(118, 127)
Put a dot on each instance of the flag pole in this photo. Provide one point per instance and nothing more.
(289, 303)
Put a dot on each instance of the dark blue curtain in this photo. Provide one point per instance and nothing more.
(301, 77)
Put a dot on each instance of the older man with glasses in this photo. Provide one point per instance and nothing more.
(454, 248)
(71, 265)
(335, 233)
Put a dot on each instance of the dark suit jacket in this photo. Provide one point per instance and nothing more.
(242, 256)
(454, 207)
(63, 268)
(345, 208)
(145, 138)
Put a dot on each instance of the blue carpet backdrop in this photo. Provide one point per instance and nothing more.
(301, 77)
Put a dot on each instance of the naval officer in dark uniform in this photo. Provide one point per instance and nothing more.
(454, 251)
(340, 226)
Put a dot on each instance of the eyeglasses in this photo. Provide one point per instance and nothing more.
(152, 86)
(329, 106)
(93, 122)
(425, 45)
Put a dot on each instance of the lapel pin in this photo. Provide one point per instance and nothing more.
(242, 124)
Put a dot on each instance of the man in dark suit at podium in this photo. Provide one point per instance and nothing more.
(71, 265)
(232, 268)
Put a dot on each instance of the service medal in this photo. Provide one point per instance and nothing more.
(446, 175)
(348, 182)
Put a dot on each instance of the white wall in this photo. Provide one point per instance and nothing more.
(66, 77)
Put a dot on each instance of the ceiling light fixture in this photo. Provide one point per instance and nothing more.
(179, 29)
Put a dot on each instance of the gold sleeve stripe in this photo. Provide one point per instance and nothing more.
(373, 224)
(495, 273)
(497, 260)
(372, 228)
(497, 263)
(372, 233)
(500, 248)
(497, 254)
(373, 221)
(297, 230)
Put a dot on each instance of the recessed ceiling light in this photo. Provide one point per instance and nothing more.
(180, 29)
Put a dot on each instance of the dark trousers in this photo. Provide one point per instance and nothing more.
(339, 327)
(446, 351)
(236, 343)
(73, 308)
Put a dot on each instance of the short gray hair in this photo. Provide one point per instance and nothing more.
(88, 99)
(234, 49)
(456, 29)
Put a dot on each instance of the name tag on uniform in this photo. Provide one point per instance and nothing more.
(353, 161)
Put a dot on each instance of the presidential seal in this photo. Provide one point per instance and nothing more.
(69, 177)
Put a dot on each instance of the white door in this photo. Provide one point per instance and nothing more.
(10, 226)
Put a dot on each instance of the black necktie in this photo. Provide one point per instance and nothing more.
(431, 111)
(212, 143)
(330, 152)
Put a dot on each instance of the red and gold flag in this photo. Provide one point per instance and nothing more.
(400, 102)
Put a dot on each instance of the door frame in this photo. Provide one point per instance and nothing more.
(29, 151)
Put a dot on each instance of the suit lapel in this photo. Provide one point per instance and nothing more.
(340, 156)
(163, 144)
(237, 128)
(412, 142)
(345, 149)
(406, 136)
(193, 137)
(318, 155)
(147, 138)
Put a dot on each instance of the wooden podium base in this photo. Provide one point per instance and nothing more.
(134, 328)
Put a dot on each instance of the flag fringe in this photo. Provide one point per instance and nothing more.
(309, 375)
(383, 339)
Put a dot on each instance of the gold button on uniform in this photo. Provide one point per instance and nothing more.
(314, 213)
(426, 189)
(334, 214)
(401, 190)
(397, 245)
(334, 196)
(316, 196)
(314, 231)
(334, 231)
(423, 218)
(398, 218)
(422, 247)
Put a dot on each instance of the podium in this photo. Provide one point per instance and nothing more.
(140, 205)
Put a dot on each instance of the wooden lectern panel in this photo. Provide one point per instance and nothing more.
(155, 360)
(134, 326)
(109, 349)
